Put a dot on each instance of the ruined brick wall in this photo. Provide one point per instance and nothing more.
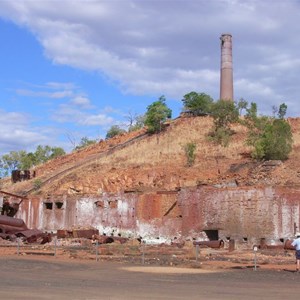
(243, 214)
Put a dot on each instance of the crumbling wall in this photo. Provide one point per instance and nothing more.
(244, 214)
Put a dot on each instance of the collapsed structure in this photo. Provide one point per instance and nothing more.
(246, 215)
(140, 186)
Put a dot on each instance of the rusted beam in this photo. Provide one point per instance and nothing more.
(13, 195)
(170, 192)
(171, 208)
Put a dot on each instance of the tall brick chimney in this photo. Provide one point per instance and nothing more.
(226, 80)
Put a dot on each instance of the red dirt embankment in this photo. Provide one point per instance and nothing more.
(140, 162)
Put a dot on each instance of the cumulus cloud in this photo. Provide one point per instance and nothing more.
(169, 47)
(68, 113)
(149, 46)
(54, 95)
(16, 132)
(82, 101)
(162, 48)
(99, 119)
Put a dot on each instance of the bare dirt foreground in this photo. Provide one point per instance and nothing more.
(32, 277)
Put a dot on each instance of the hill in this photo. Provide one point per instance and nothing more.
(140, 162)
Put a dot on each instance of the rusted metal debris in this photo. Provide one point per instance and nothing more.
(77, 233)
(11, 208)
(104, 239)
(13, 195)
(288, 245)
(20, 175)
(211, 244)
(12, 228)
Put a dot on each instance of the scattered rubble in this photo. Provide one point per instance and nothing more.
(13, 228)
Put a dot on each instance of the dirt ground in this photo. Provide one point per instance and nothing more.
(216, 275)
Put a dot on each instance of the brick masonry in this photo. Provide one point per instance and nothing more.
(244, 214)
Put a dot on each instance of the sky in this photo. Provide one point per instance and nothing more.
(72, 68)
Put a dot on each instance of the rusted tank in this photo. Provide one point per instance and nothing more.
(8, 224)
(264, 245)
(103, 239)
(288, 245)
(210, 244)
(10, 228)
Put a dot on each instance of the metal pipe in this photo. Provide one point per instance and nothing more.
(10, 221)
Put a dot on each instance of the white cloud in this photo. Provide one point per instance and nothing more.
(169, 47)
(54, 95)
(68, 113)
(16, 132)
(99, 119)
(81, 101)
(61, 85)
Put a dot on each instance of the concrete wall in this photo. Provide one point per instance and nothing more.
(243, 214)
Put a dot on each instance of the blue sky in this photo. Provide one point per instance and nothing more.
(71, 69)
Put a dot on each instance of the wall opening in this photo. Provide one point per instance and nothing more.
(113, 204)
(213, 235)
(59, 205)
(48, 205)
(99, 204)
(245, 239)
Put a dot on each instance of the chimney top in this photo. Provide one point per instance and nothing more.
(226, 34)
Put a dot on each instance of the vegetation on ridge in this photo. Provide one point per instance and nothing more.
(22, 160)
(157, 113)
(269, 137)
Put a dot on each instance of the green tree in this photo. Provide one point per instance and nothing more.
(42, 154)
(251, 113)
(277, 140)
(224, 114)
(56, 152)
(190, 153)
(242, 105)
(282, 110)
(28, 161)
(197, 104)
(270, 137)
(114, 131)
(45, 153)
(21, 160)
(84, 142)
(11, 161)
(274, 142)
(157, 113)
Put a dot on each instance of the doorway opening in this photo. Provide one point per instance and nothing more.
(213, 234)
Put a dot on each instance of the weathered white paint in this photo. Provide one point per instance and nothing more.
(235, 212)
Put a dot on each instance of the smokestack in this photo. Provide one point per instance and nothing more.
(226, 81)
